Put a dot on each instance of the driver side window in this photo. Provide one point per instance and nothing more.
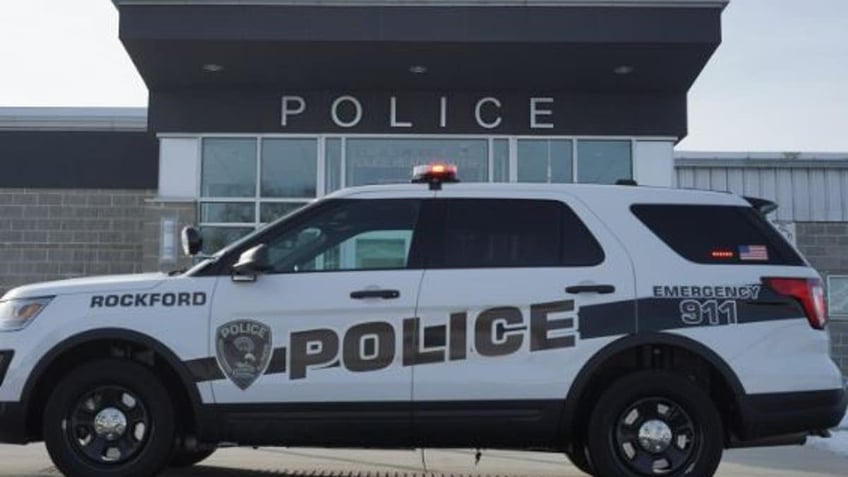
(353, 235)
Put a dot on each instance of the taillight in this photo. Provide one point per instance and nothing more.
(808, 291)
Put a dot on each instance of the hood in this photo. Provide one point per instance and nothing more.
(106, 283)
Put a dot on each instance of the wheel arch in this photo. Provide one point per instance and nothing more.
(590, 376)
(65, 355)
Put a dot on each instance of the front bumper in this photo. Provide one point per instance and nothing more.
(5, 360)
(769, 415)
(12, 423)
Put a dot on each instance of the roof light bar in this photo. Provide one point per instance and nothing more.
(434, 174)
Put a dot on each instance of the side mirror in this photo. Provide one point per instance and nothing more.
(191, 241)
(251, 263)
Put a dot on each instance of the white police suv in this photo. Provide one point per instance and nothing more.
(641, 331)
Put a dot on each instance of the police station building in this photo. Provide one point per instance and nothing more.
(257, 107)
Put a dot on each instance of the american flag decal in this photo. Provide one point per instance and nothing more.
(753, 252)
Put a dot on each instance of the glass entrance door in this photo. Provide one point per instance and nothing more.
(390, 160)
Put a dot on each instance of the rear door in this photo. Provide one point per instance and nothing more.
(517, 295)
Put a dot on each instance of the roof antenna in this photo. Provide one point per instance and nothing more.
(477, 457)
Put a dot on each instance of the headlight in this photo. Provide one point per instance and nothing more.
(17, 313)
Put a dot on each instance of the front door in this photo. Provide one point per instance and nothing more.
(310, 350)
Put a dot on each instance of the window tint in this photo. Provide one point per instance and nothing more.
(347, 235)
(481, 233)
(717, 234)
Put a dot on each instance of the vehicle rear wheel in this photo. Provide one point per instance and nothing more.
(109, 418)
(655, 423)
(186, 458)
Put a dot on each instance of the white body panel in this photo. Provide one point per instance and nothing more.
(300, 302)
(540, 374)
(182, 329)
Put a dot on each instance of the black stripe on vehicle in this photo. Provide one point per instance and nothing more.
(595, 321)
(207, 369)
(204, 369)
(608, 319)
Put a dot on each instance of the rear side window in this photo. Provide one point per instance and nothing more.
(716, 234)
(485, 233)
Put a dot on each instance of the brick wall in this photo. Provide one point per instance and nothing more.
(48, 234)
(825, 244)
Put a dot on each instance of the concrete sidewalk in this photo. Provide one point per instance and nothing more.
(32, 461)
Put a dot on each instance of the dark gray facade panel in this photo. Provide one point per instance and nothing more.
(79, 159)
(570, 114)
(464, 48)
(415, 24)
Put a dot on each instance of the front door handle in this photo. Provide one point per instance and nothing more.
(602, 289)
(384, 294)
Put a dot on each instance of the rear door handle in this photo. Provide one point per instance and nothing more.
(602, 289)
(384, 294)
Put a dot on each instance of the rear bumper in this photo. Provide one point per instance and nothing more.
(12, 423)
(770, 415)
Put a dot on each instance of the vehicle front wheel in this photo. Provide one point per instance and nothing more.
(109, 418)
(579, 457)
(655, 423)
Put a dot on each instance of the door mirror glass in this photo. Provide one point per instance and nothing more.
(191, 241)
(252, 262)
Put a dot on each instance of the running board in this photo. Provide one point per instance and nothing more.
(786, 440)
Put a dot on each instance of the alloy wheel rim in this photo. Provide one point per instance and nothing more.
(656, 436)
(109, 425)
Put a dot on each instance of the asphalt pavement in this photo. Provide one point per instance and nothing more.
(32, 461)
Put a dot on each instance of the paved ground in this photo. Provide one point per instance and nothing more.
(32, 461)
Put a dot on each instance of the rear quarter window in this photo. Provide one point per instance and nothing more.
(717, 234)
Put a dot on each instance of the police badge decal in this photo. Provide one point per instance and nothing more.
(244, 350)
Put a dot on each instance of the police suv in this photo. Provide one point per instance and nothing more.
(640, 331)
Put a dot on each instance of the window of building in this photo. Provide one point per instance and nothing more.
(249, 181)
(485, 233)
(604, 162)
(545, 160)
(837, 297)
(246, 182)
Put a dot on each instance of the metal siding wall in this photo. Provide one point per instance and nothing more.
(686, 178)
(786, 209)
(803, 194)
(833, 200)
(736, 181)
(817, 188)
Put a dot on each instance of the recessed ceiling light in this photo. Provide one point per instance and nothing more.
(623, 70)
(418, 69)
(212, 67)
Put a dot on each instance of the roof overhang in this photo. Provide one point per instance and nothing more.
(622, 46)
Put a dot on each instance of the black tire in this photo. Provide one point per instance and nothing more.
(82, 421)
(655, 423)
(184, 458)
(579, 457)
